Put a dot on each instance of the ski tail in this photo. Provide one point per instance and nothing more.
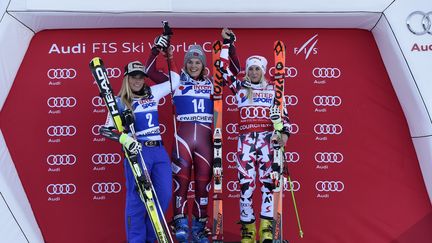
(218, 82)
(143, 182)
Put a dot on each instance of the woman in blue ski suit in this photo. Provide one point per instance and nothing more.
(142, 100)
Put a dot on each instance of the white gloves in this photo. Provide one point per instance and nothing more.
(130, 144)
(275, 116)
(161, 41)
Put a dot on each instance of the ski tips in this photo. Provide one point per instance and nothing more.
(96, 61)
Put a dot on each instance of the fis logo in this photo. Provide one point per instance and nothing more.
(308, 48)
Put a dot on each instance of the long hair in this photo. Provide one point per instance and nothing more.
(126, 93)
(263, 82)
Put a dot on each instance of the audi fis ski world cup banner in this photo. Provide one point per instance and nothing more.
(349, 137)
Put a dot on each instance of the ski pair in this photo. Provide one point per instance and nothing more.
(142, 178)
(278, 151)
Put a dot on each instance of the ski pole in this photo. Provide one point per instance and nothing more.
(167, 31)
(295, 206)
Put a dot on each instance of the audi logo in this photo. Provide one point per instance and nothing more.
(162, 101)
(95, 129)
(113, 72)
(325, 72)
(230, 100)
(329, 157)
(290, 72)
(231, 157)
(327, 100)
(61, 159)
(61, 73)
(61, 189)
(231, 128)
(329, 186)
(61, 102)
(293, 128)
(294, 185)
(191, 187)
(63, 131)
(292, 157)
(233, 186)
(98, 101)
(106, 187)
(419, 23)
(291, 100)
(103, 159)
(334, 129)
(254, 112)
(162, 128)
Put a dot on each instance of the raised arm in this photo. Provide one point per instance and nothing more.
(161, 42)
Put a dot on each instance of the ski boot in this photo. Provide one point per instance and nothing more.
(248, 232)
(266, 231)
(199, 231)
(181, 229)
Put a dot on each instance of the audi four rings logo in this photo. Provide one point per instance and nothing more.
(420, 23)
(294, 128)
(329, 186)
(231, 128)
(254, 112)
(61, 159)
(191, 187)
(61, 189)
(233, 186)
(329, 157)
(291, 100)
(55, 131)
(327, 100)
(231, 157)
(106, 187)
(95, 129)
(292, 157)
(290, 72)
(61, 102)
(61, 73)
(103, 159)
(334, 129)
(98, 101)
(113, 72)
(230, 100)
(295, 186)
(326, 72)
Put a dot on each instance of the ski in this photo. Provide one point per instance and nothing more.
(278, 151)
(142, 179)
(217, 233)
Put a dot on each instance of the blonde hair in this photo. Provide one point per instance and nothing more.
(126, 93)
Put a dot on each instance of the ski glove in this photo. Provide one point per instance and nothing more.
(161, 41)
(228, 36)
(246, 83)
(130, 144)
(275, 116)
